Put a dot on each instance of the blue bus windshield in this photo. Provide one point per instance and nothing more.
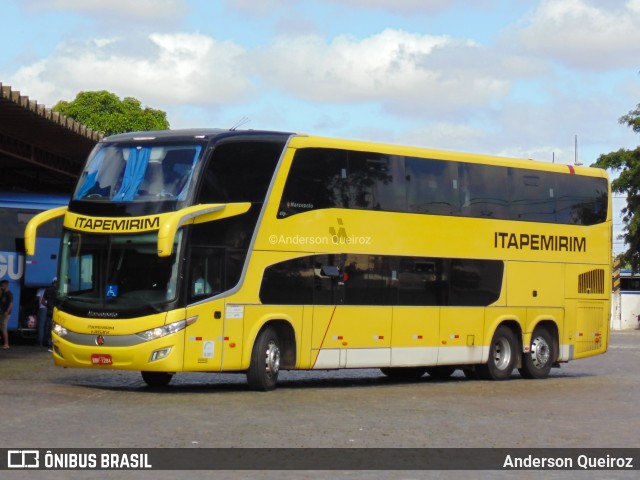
(125, 173)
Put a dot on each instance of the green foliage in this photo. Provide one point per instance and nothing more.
(105, 112)
(626, 163)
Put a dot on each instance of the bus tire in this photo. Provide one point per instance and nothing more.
(441, 372)
(404, 374)
(538, 362)
(157, 379)
(265, 361)
(502, 356)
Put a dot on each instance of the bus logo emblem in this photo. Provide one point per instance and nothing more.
(99, 340)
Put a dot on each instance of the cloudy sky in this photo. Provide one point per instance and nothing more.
(520, 78)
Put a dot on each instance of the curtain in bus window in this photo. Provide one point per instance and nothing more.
(91, 175)
(177, 169)
(104, 174)
(134, 171)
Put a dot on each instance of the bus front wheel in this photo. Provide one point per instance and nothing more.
(157, 379)
(502, 356)
(538, 361)
(265, 361)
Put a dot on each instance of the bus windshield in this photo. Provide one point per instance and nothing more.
(118, 272)
(138, 172)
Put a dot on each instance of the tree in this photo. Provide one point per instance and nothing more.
(627, 163)
(105, 112)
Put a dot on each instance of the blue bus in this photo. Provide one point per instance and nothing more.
(27, 274)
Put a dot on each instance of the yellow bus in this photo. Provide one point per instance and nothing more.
(255, 251)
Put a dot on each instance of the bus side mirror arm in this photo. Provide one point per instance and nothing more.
(31, 229)
(195, 214)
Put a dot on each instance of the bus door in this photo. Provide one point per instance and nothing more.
(204, 340)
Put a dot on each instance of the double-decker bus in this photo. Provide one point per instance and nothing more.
(256, 251)
(27, 274)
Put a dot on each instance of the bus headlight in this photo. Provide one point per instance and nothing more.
(59, 330)
(163, 331)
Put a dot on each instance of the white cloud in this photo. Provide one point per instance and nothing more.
(585, 34)
(253, 7)
(400, 5)
(149, 10)
(258, 8)
(408, 73)
(170, 69)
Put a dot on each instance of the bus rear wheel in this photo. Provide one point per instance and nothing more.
(538, 362)
(265, 361)
(502, 356)
(157, 379)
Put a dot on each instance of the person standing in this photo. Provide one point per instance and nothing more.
(42, 317)
(6, 305)
(49, 300)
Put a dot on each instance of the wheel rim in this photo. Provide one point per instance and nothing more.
(540, 352)
(272, 359)
(502, 354)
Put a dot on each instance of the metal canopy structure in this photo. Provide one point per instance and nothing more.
(40, 150)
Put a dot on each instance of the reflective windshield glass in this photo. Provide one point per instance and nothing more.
(126, 173)
(116, 271)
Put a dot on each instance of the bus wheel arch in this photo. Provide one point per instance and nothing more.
(543, 351)
(504, 353)
(273, 349)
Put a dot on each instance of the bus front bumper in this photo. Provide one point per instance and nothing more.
(160, 355)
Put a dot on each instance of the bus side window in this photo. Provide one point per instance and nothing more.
(483, 191)
(430, 186)
(376, 182)
(238, 172)
(317, 179)
(206, 271)
(533, 196)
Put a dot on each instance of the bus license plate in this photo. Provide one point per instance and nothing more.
(101, 359)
